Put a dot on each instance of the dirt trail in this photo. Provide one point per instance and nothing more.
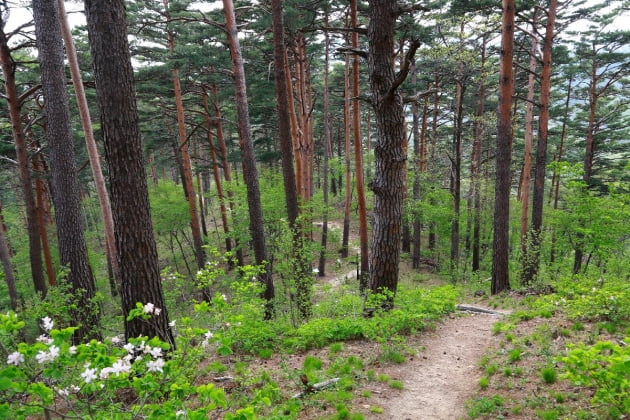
(443, 374)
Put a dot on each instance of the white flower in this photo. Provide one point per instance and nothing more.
(44, 339)
(72, 350)
(53, 352)
(88, 375)
(47, 356)
(64, 392)
(121, 366)
(155, 365)
(148, 308)
(157, 311)
(47, 323)
(315, 270)
(129, 347)
(171, 324)
(224, 297)
(116, 340)
(156, 352)
(15, 358)
(180, 413)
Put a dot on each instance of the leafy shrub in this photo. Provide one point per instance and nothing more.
(603, 366)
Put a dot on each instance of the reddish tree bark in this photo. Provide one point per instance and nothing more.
(14, 105)
(500, 245)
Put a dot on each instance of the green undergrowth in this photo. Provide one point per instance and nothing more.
(562, 355)
(228, 362)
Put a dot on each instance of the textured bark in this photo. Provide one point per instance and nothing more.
(215, 172)
(525, 186)
(358, 156)
(223, 153)
(533, 252)
(200, 254)
(73, 253)
(250, 172)
(321, 267)
(90, 141)
(13, 102)
(345, 237)
(9, 278)
(500, 244)
(41, 196)
(555, 182)
(137, 252)
(456, 162)
(475, 167)
(387, 183)
(292, 188)
(418, 144)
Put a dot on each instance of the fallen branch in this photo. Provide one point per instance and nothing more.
(317, 387)
(477, 309)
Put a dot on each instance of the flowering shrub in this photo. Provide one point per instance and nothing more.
(139, 378)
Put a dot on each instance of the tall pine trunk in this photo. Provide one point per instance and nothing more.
(250, 172)
(135, 243)
(387, 183)
(90, 141)
(533, 253)
(500, 244)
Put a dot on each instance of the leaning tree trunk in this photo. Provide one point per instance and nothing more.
(387, 183)
(500, 245)
(137, 250)
(250, 173)
(90, 141)
(14, 104)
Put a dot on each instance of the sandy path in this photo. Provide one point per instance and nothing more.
(443, 375)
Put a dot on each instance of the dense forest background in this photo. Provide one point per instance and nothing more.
(166, 146)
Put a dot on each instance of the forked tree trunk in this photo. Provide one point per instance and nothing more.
(250, 172)
(387, 183)
(500, 245)
(14, 105)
